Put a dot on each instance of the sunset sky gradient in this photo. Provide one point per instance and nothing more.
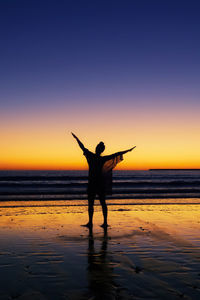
(124, 72)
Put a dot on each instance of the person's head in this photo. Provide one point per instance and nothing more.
(100, 148)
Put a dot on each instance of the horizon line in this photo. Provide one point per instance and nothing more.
(86, 169)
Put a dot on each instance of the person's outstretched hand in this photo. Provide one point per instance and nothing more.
(132, 148)
(74, 135)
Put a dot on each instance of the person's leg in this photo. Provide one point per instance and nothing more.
(91, 197)
(102, 199)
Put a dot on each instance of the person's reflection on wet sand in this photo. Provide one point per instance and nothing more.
(100, 274)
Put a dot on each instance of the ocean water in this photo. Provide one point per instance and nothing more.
(130, 185)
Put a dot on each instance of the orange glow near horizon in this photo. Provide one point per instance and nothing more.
(164, 139)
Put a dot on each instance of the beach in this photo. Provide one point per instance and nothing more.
(148, 252)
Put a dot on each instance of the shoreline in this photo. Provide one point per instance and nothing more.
(110, 202)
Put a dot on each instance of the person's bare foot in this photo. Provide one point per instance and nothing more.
(104, 225)
(88, 225)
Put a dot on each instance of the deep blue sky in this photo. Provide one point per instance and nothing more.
(125, 72)
(83, 51)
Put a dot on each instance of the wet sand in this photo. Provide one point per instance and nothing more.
(148, 252)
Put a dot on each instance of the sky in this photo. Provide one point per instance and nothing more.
(123, 72)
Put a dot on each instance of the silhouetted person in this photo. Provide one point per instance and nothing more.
(100, 176)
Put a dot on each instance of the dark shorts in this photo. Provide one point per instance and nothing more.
(96, 189)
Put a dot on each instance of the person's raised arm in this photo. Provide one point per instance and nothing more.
(107, 157)
(79, 142)
(123, 152)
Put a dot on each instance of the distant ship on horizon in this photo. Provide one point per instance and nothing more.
(174, 169)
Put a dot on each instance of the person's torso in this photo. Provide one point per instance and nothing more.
(95, 163)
